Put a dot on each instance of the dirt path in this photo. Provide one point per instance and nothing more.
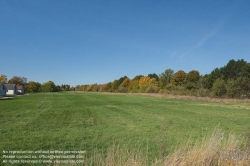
(181, 97)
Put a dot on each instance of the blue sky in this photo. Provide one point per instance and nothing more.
(87, 41)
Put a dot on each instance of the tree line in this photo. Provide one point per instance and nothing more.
(34, 87)
(229, 81)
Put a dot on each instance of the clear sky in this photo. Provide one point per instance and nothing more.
(80, 42)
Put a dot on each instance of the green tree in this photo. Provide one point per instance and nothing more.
(233, 69)
(231, 88)
(192, 78)
(218, 89)
(246, 71)
(210, 78)
(201, 86)
(165, 77)
(48, 87)
(243, 86)
(58, 88)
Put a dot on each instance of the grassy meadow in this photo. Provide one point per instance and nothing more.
(103, 124)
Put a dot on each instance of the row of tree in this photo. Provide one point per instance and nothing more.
(34, 87)
(231, 80)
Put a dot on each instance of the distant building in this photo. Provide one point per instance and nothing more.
(2, 89)
(11, 89)
(20, 89)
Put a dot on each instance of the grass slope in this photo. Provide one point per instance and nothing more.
(88, 121)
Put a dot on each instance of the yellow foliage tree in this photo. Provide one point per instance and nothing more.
(178, 78)
(124, 85)
(102, 87)
(3, 78)
(153, 82)
(143, 81)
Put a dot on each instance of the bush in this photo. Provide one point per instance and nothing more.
(170, 87)
(122, 89)
(231, 88)
(48, 87)
(190, 86)
(152, 89)
(218, 89)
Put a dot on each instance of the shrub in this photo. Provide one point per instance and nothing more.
(152, 89)
(218, 89)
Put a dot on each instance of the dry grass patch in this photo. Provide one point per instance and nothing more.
(214, 150)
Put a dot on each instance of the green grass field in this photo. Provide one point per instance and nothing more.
(96, 121)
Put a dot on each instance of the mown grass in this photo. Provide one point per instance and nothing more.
(95, 122)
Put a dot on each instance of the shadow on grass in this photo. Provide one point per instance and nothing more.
(6, 98)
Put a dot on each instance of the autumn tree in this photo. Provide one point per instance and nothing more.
(109, 87)
(134, 84)
(95, 88)
(152, 86)
(72, 88)
(143, 81)
(89, 88)
(147, 84)
(106, 87)
(32, 87)
(3, 78)
(83, 87)
(138, 77)
(124, 85)
(17, 80)
(153, 75)
(103, 88)
(64, 87)
(178, 78)
(115, 85)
